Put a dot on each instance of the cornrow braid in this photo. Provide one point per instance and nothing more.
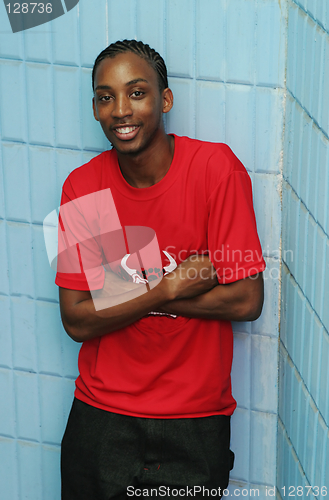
(141, 49)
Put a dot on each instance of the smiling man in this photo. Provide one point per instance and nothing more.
(153, 401)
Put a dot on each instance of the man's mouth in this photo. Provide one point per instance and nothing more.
(126, 132)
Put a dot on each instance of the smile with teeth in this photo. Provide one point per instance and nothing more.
(125, 130)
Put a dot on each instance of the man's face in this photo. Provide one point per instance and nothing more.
(128, 103)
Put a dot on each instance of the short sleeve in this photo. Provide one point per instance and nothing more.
(79, 261)
(234, 247)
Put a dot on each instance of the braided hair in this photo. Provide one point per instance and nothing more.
(141, 49)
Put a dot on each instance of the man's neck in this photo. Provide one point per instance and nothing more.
(151, 165)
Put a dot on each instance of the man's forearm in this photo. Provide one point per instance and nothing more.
(85, 317)
(238, 301)
(84, 322)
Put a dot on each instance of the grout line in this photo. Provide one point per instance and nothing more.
(38, 373)
(10, 142)
(28, 441)
(287, 438)
(300, 375)
(316, 21)
(170, 75)
(306, 208)
(307, 300)
(21, 222)
(25, 296)
(325, 134)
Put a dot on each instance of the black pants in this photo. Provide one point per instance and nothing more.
(107, 455)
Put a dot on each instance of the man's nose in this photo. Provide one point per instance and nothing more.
(122, 107)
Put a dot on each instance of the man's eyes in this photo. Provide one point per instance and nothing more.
(105, 97)
(137, 93)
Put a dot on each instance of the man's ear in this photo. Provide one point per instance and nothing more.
(168, 100)
(94, 110)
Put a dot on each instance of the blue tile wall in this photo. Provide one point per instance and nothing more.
(14, 49)
(241, 440)
(29, 460)
(319, 39)
(263, 446)
(93, 30)
(41, 172)
(2, 195)
(292, 47)
(180, 33)
(13, 101)
(66, 48)
(324, 120)
(24, 334)
(21, 276)
(268, 130)
(242, 362)
(4, 278)
(48, 338)
(240, 59)
(322, 198)
(240, 105)
(210, 110)
(26, 387)
(210, 63)
(51, 409)
(7, 414)
(227, 68)
(150, 22)
(40, 92)
(326, 291)
(181, 119)
(37, 44)
(308, 60)
(6, 353)
(311, 194)
(65, 161)
(324, 378)
(267, 203)
(50, 475)
(8, 470)
(264, 374)
(320, 451)
(67, 107)
(121, 20)
(16, 182)
(271, 29)
(303, 394)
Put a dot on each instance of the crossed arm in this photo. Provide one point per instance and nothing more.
(196, 296)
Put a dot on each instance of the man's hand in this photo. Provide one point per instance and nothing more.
(116, 290)
(114, 285)
(193, 276)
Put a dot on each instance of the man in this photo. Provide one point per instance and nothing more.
(153, 400)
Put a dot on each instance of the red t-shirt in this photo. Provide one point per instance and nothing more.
(159, 366)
